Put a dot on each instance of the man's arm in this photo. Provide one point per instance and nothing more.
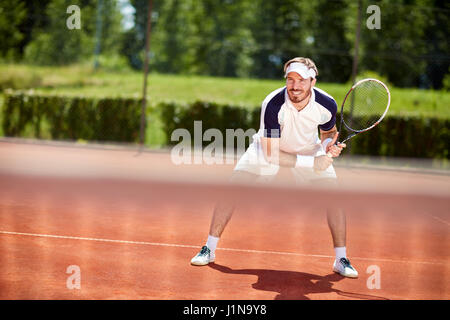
(327, 134)
(273, 154)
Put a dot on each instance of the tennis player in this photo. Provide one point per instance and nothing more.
(291, 118)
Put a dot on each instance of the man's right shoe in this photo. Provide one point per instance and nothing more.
(344, 268)
(203, 257)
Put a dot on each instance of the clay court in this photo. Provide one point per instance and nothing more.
(131, 221)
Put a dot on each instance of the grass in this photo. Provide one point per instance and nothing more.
(82, 80)
(1, 115)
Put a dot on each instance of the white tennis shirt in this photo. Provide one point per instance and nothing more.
(297, 130)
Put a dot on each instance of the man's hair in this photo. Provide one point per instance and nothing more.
(306, 61)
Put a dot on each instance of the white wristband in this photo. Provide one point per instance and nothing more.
(325, 143)
(304, 161)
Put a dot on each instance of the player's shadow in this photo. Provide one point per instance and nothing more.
(292, 285)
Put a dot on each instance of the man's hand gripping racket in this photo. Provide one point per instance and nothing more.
(334, 148)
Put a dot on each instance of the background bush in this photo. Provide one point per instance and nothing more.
(71, 118)
(118, 119)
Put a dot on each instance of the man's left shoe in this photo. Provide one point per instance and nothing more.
(204, 257)
(344, 268)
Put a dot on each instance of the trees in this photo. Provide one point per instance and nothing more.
(330, 49)
(36, 19)
(398, 48)
(240, 38)
(53, 43)
(222, 40)
(133, 40)
(203, 37)
(12, 15)
(437, 34)
(280, 30)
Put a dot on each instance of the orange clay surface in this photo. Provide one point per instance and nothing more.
(132, 221)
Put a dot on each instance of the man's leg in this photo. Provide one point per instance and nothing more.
(337, 224)
(336, 219)
(224, 210)
(221, 216)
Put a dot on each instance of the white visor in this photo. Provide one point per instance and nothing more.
(301, 69)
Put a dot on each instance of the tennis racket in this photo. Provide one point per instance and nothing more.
(365, 105)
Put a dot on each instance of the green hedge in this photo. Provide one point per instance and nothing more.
(56, 117)
(212, 115)
(414, 137)
(71, 118)
(395, 136)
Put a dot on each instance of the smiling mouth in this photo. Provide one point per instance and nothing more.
(296, 93)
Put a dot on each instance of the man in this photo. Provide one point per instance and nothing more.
(288, 137)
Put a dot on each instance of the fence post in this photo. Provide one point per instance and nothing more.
(355, 65)
(144, 95)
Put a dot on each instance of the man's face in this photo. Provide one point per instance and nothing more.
(298, 88)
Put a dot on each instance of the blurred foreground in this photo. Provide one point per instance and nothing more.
(131, 221)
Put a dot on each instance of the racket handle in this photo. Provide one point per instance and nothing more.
(328, 153)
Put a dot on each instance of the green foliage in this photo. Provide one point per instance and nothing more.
(12, 15)
(446, 82)
(18, 78)
(132, 42)
(212, 115)
(36, 19)
(111, 26)
(330, 48)
(280, 29)
(237, 38)
(396, 50)
(374, 75)
(130, 48)
(396, 136)
(203, 37)
(113, 63)
(437, 34)
(78, 80)
(56, 44)
(118, 119)
(414, 137)
(254, 38)
(71, 118)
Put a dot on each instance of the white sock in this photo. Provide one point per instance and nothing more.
(211, 243)
(341, 252)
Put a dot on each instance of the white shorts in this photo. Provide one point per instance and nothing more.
(253, 161)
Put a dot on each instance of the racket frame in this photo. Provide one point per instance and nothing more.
(355, 132)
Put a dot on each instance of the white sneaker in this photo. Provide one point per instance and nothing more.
(203, 257)
(344, 268)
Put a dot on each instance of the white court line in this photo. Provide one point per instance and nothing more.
(196, 247)
(438, 219)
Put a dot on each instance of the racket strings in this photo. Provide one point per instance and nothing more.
(365, 105)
